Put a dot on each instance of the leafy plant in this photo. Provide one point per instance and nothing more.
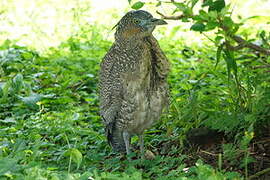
(49, 122)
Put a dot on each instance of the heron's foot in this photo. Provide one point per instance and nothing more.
(141, 142)
(126, 137)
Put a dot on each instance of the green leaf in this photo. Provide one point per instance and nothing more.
(158, 4)
(75, 155)
(193, 3)
(17, 82)
(137, 5)
(249, 18)
(129, 1)
(180, 6)
(27, 55)
(225, 11)
(8, 165)
(218, 39)
(211, 25)
(218, 54)
(203, 15)
(213, 15)
(262, 34)
(236, 28)
(207, 3)
(1, 93)
(5, 90)
(231, 63)
(31, 100)
(186, 86)
(218, 5)
(228, 22)
(198, 27)
(183, 8)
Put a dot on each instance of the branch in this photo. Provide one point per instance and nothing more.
(234, 48)
(245, 43)
(241, 42)
(171, 17)
(249, 45)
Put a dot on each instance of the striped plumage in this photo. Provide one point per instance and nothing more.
(133, 86)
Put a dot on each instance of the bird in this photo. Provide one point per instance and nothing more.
(133, 87)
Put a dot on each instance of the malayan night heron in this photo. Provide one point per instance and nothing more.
(132, 84)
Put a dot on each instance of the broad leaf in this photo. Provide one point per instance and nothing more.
(203, 15)
(211, 25)
(180, 6)
(137, 5)
(228, 22)
(218, 5)
(207, 3)
(198, 27)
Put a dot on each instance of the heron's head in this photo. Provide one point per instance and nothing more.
(136, 23)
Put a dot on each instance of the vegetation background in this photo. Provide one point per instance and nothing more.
(218, 123)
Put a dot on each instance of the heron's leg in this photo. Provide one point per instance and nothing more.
(126, 137)
(141, 142)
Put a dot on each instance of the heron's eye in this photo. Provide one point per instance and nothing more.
(136, 21)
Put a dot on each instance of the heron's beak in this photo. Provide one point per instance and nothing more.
(156, 22)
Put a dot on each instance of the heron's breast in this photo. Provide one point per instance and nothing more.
(148, 110)
(147, 103)
(147, 106)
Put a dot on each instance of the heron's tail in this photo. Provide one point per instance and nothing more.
(115, 138)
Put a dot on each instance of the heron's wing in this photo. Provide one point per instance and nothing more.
(161, 63)
(110, 87)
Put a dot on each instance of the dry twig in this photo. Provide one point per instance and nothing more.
(209, 153)
(171, 17)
